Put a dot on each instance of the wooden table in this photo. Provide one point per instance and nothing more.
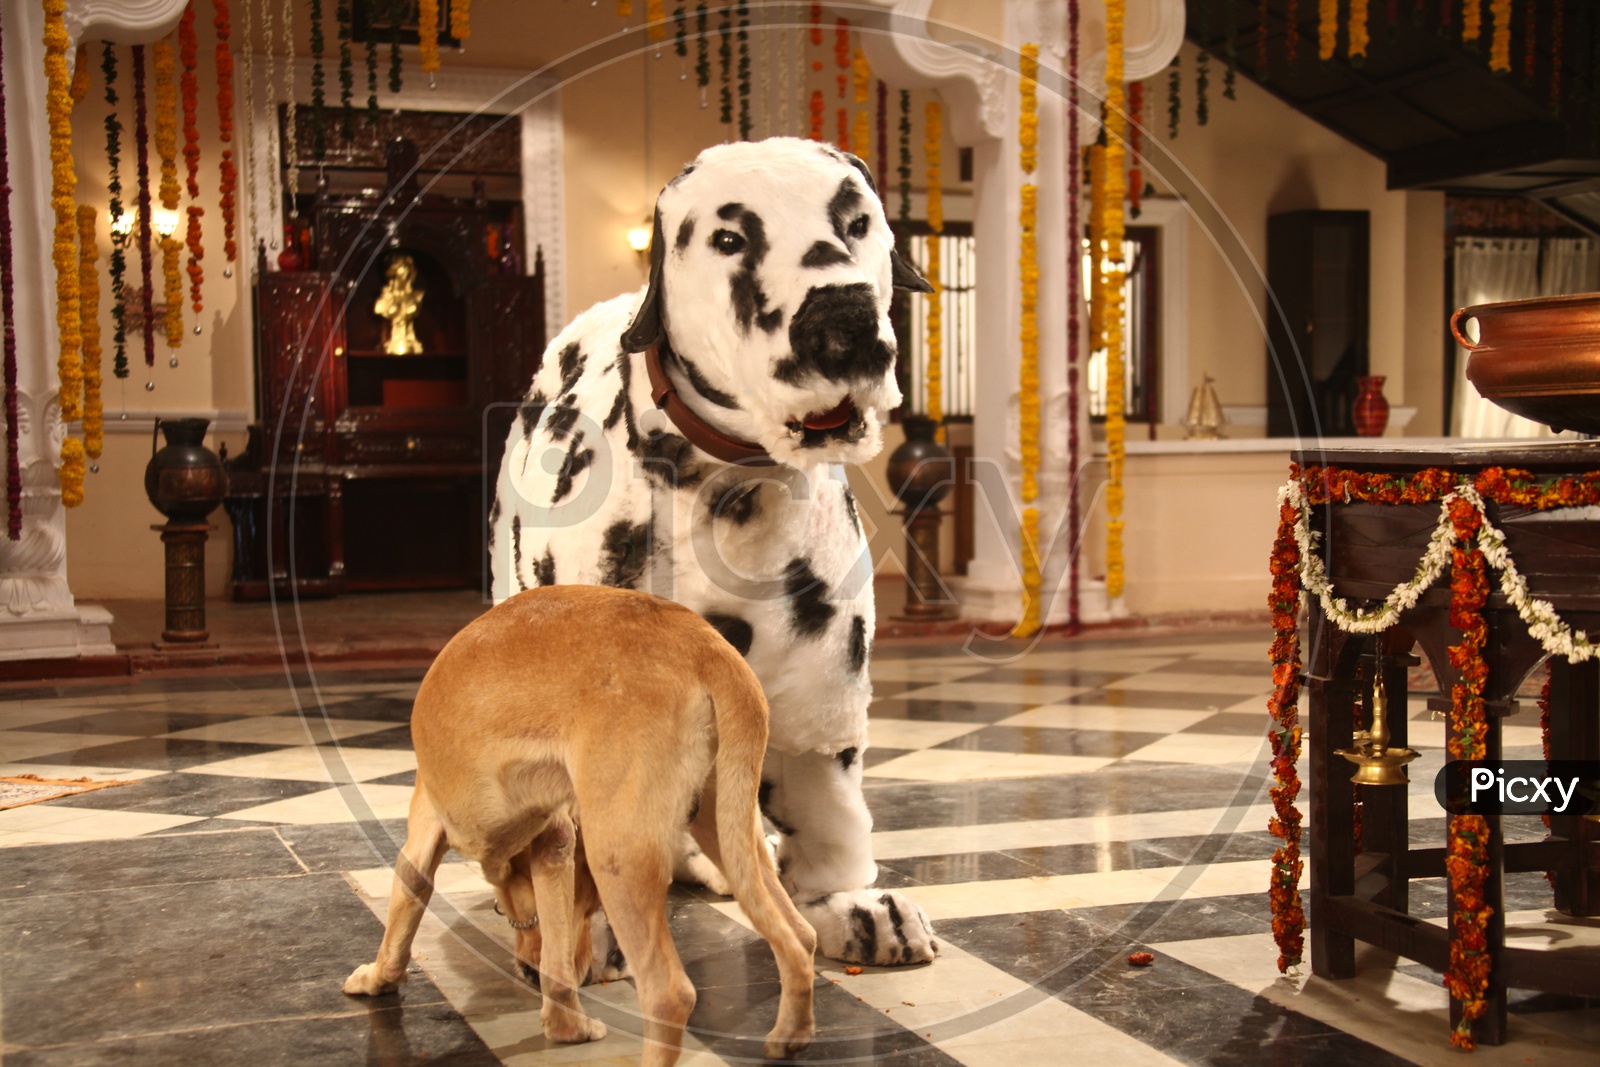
(1368, 550)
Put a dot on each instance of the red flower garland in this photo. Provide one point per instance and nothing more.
(189, 86)
(1288, 915)
(1074, 293)
(7, 294)
(229, 173)
(883, 136)
(1135, 170)
(141, 138)
(816, 114)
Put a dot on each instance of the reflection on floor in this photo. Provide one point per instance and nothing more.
(1053, 813)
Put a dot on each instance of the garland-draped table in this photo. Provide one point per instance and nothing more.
(1377, 516)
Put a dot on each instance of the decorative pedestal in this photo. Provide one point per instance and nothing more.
(186, 582)
(924, 592)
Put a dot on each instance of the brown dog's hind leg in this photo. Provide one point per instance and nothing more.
(408, 899)
(548, 893)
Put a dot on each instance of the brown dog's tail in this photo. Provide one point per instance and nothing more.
(741, 718)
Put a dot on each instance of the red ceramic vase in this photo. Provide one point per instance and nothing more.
(1371, 409)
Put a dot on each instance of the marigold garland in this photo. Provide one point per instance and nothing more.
(861, 75)
(815, 17)
(189, 85)
(655, 20)
(1097, 249)
(1074, 292)
(71, 472)
(1500, 43)
(883, 137)
(1135, 159)
(1028, 395)
(1471, 20)
(1359, 38)
(8, 329)
(461, 20)
(817, 108)
(80, 75)
(1471, 544)
(1263, 18)
(1111, 294)
(228, 173)
(1283, 891)
(1327, 28)
(861, 137)
(89, 313)
(1291, 40)
(63, 187)
(141, 220)
(119, 241)
(427, 35)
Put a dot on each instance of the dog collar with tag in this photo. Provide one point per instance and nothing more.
(700, 433)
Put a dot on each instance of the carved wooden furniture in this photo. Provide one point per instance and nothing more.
(367, 470)
(1368, 550)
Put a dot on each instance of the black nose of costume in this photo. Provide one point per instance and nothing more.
(835, 335)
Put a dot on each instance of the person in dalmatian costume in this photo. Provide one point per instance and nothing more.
(690, 441)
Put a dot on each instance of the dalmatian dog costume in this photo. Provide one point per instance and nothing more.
(690, 441)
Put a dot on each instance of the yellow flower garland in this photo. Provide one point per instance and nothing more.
(1472, 20)
(1500, 44)
(1327, 28)
(1097, 226)
(861, 72)
(428, 35)
(64, 251)
(80, 75)
(932, 142)
(1359, 37)
(861, 137)
(655, 18)
(1028, 396)
(164, 60)
(1111, 292)
(89, 312)
(461, 19)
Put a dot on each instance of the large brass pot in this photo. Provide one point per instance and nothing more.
(1538, 358)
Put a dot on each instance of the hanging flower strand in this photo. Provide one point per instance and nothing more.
(1028, 395)
(1111, 293)
(461, 21)
(1074, 289)
(397, 16)
(319, 130)
(7, 312)
(141, 140)
(745, 122)
(347, 74)
(932, 146)
(63, 188)
(119, 240)
(427, 37)
(89, 315)
(166, 142)
(229, 173)
(189, 86)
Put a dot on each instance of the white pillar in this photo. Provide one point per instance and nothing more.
(38, 616)
(978, 83)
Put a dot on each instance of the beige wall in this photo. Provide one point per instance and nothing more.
(1258, 157)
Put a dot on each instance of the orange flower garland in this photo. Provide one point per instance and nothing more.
(1283, 892)
(1028, 394)
(817, 108)
(461, 19)
(1327, 28)
(1111, 295)
(80, 75)
(166, 143)
(1359, 37)
(1500, 43)
(89, 314)
(428, 35)
(1472, 20)
(63, 187)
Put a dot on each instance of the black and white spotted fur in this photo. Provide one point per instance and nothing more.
(771, 275)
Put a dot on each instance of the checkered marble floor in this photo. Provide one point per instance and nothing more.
(1052, 811)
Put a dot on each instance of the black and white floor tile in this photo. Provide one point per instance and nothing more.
(1052, 812)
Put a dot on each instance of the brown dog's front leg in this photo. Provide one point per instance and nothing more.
(554, 885)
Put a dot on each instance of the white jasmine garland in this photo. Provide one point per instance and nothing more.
(1544, 625)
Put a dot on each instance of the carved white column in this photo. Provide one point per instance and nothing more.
(977, 79)
(38, 616)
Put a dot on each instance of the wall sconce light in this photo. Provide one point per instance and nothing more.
(122, 226)
(639, 237)
(164, 221)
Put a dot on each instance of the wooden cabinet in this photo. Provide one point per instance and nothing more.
(1317, 340)
(367, 470)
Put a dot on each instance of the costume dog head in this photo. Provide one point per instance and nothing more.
(771, 272)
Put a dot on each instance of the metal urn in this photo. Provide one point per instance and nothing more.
(921, 473)
(186, 482)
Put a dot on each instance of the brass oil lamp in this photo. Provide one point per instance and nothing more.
(1377, 763)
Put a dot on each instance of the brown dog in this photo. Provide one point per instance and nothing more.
(612, 708)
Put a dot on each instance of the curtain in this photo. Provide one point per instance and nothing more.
(1489, 270)
(1571, 265)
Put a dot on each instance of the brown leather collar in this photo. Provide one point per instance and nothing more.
(700, 433)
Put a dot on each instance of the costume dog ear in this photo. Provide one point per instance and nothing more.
(904, 275)
(648, 326)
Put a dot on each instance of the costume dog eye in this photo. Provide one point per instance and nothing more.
(859, 226)
(727, 242)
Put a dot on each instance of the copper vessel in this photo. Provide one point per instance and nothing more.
(1538, 358)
